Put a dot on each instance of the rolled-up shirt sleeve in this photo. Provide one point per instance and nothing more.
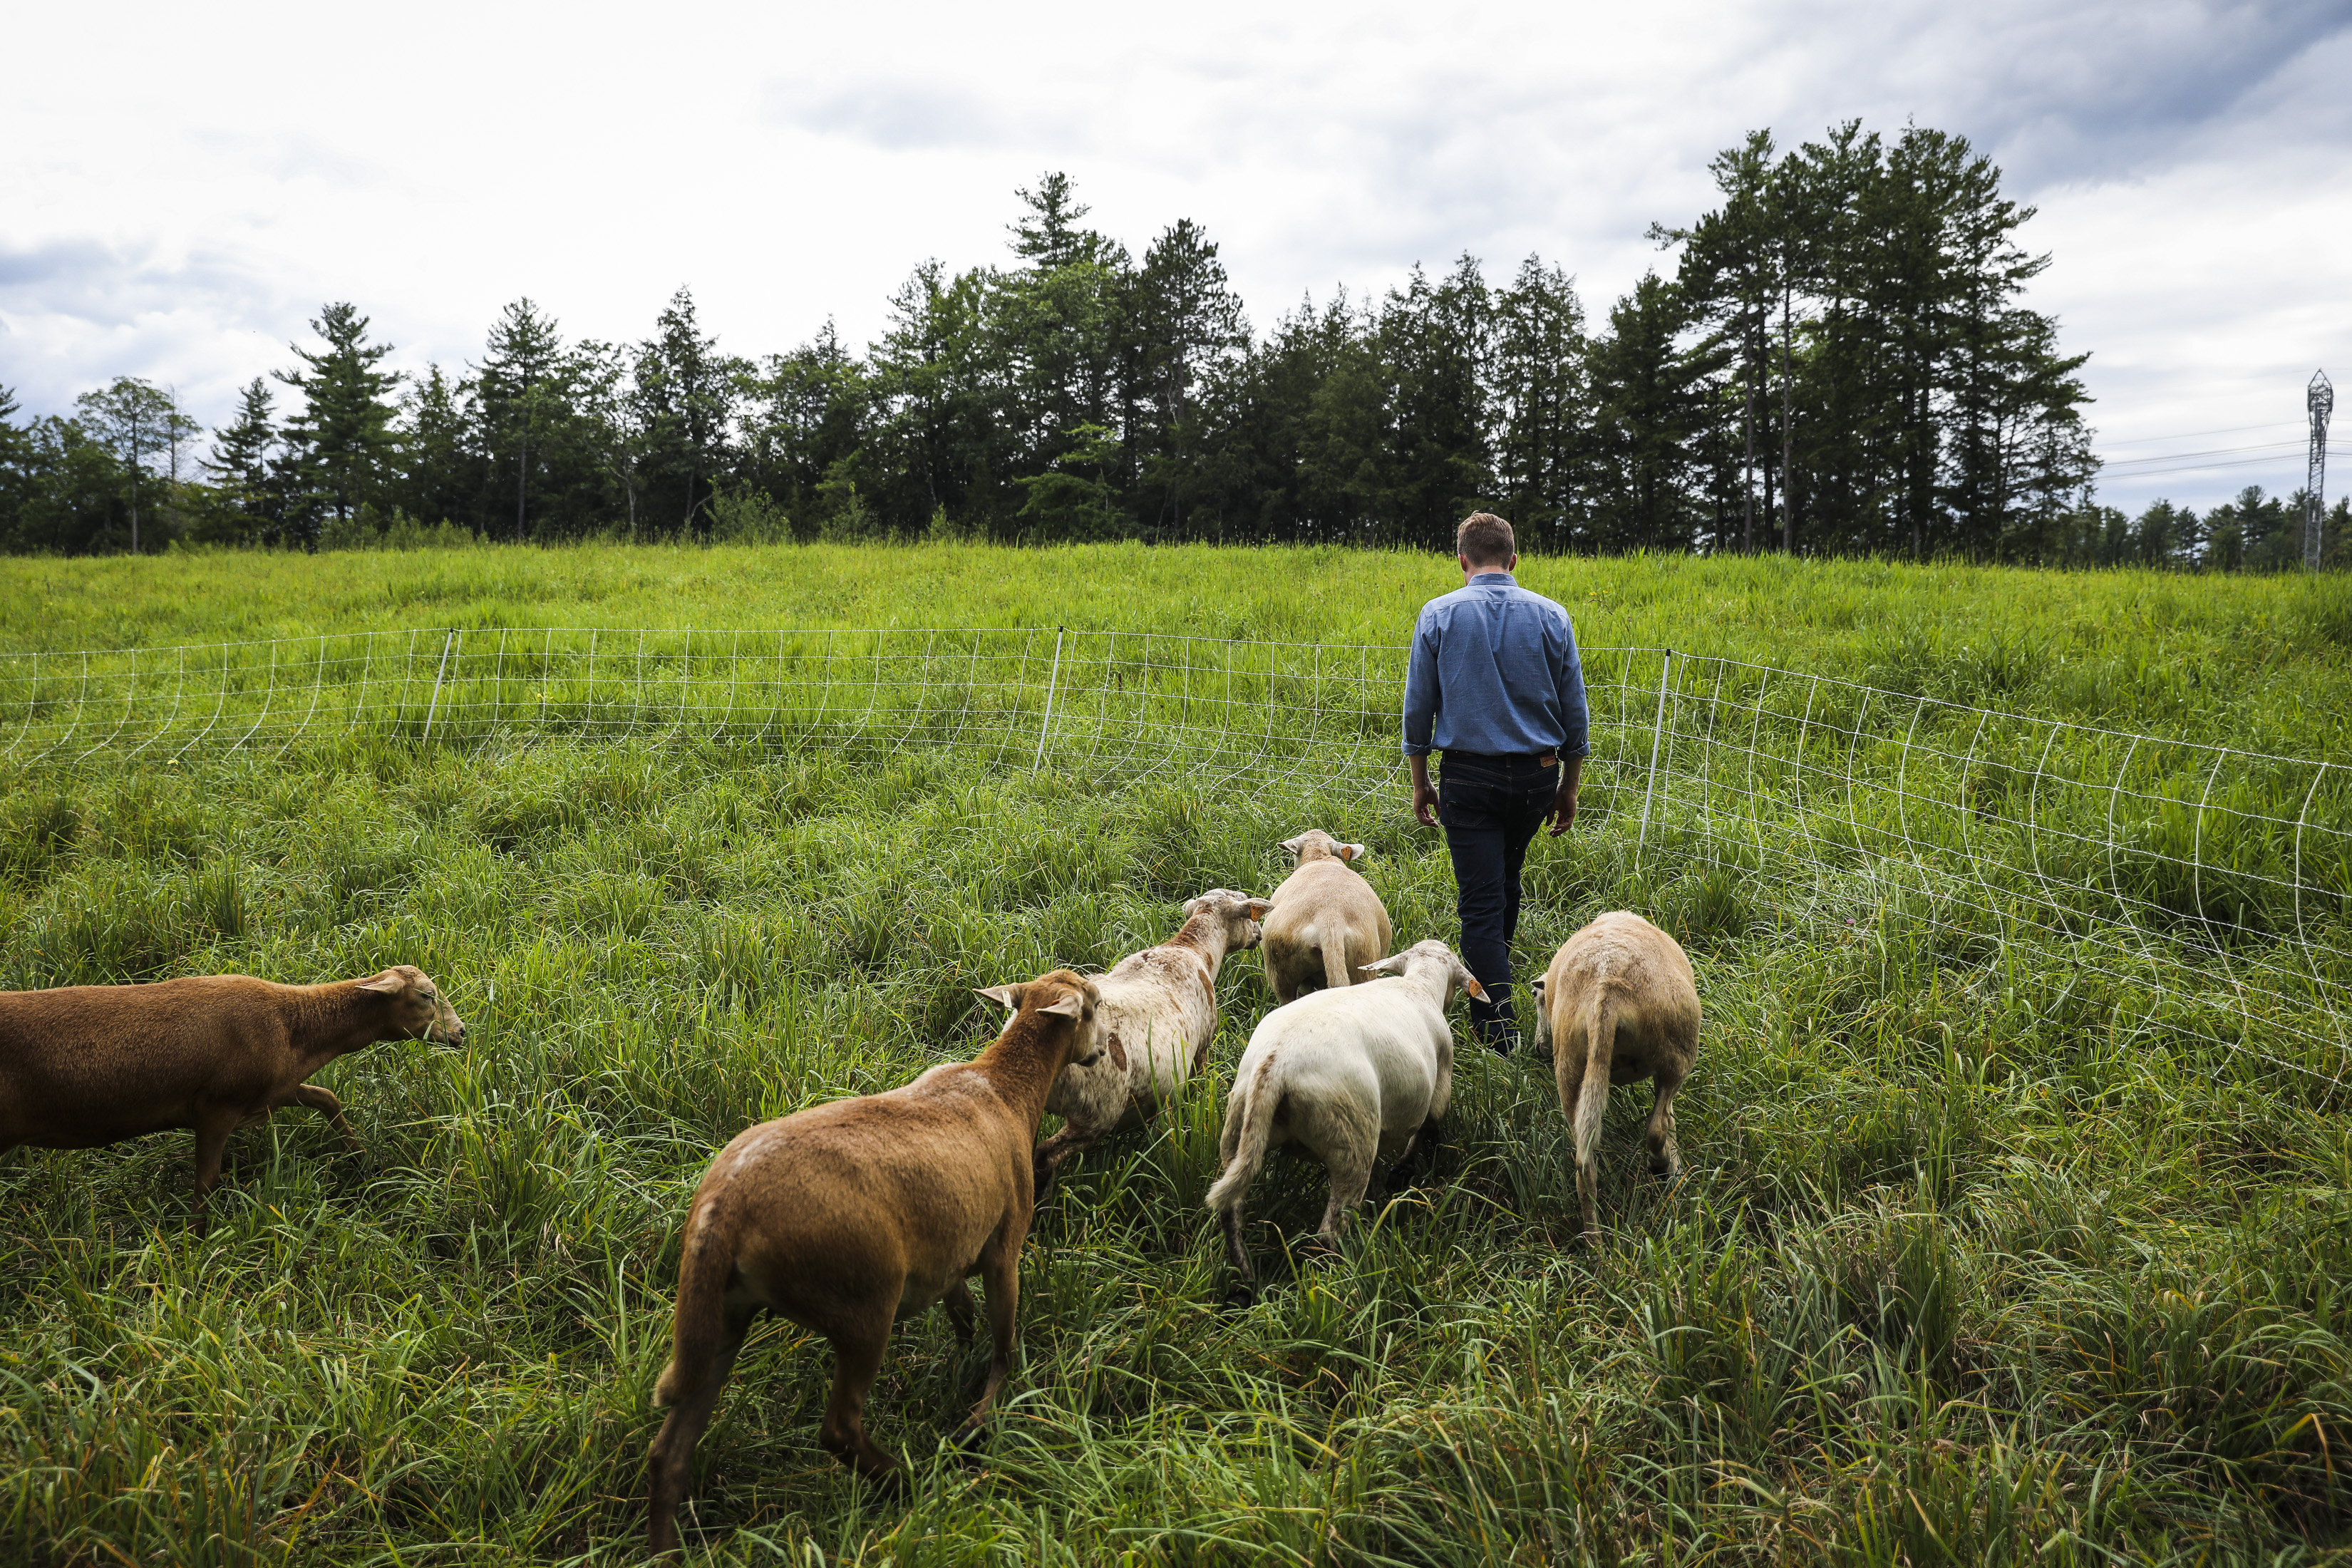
(1574, 717)
(1420, 687)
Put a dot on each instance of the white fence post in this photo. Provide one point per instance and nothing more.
(435, 706)
(1046, 726)
(1657, 732)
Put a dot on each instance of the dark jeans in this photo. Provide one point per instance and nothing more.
(1492, 808)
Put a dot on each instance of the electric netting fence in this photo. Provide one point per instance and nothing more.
(2214, 885)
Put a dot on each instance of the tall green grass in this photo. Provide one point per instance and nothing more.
(1992, 1248)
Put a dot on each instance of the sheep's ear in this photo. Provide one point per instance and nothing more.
(1293, 846)
(1470, 983)
(1354, 851)
(1382, 966)
(1068, 1008)
(1536, 986)
(1005, 996)
(1191, 907)
(1260, 907)
(389, 982)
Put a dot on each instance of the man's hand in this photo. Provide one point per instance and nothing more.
(1425, 797)
(1563, 804)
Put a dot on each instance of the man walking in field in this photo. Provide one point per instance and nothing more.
(1494, 685)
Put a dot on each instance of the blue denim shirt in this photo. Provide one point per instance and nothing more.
(1495, 670)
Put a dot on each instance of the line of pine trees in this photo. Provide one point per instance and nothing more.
(1838, 362)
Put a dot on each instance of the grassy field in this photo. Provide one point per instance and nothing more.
(1989, 1250)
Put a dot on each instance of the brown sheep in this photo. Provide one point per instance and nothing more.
(854, 1215)
(83, 1066)
(1618, 1006)
(1326, 922)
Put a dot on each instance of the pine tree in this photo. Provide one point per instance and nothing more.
(1434, 344)
(1654, 393)
(683, 404)
(1539, 402)
(342, 443)
(1056, 328)
(515, 384)
(443, 468)
(248, 504)
(1183, 328)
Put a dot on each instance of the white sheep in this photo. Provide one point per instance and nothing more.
(1356, 1075)
(1326, 924)
(1160, 1012)
(1617, 1005)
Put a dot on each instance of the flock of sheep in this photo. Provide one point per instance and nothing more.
(853, 1216)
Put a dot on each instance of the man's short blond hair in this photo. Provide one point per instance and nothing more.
(1485, 539)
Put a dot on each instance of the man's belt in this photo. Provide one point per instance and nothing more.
(1504, 759)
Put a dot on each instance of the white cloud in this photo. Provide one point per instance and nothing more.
(185, 188)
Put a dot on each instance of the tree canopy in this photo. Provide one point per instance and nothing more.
(1838, 357)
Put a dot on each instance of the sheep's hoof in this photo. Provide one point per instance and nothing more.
(887, 1480)
(1239, 1297)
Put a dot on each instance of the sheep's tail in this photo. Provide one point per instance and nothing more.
(1247, 1152)
(1600, 1047)
(704, 1267)
(1335, 964)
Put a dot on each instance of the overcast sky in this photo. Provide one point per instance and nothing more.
(185, 184)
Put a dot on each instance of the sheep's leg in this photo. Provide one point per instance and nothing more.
(1666, 1155)
(1074, 1138)
(324, 1103)
(212, 1128)
(1000, 1272)
(1244, 1289)
(693, 1393)
(1406, 1172)
(958, 1301)
(857, 1360)
(1351, 1172)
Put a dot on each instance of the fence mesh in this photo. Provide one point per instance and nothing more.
(2214, 884)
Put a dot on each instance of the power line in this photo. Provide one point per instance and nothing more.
(2131, 473)
(2209, 452)
(2199, 434)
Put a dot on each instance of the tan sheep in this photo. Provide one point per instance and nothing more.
(83, 1066)
(851, 1216)
(1617, 1005)
(1326, 923)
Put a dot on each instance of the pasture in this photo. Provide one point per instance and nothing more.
(2004, 1237)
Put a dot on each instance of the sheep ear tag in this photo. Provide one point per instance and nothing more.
(1005, 996)
(1068, 1008)
(1474, 989)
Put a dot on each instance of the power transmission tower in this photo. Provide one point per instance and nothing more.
(2320, 398)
